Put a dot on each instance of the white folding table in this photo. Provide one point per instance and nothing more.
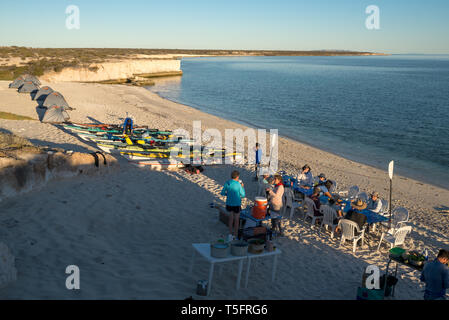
(204, 250)
(251, 256)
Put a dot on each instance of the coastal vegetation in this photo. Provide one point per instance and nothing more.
(15, 61)
(10, 142)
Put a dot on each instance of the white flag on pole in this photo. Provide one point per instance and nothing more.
(390, 169)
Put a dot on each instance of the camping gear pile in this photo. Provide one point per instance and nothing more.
(53, 104)
(150, 148)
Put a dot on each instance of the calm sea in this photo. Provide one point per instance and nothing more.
(369, 109)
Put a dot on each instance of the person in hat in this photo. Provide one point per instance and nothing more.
(355, 215)
(358, 204)
(324, 185)
(305, 178)
(374, 203)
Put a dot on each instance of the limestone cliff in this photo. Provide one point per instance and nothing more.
(113, 70)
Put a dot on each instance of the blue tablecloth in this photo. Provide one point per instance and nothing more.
(246, 214)
(371, 217)
(293, 183)
(307, 192)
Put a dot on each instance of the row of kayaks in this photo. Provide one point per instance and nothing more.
(150, 147)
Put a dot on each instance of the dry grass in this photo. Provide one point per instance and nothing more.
(12, 116)
(10, 141)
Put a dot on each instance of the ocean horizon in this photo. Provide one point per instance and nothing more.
(369, 109)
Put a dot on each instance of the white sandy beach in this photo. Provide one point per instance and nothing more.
(130, 232)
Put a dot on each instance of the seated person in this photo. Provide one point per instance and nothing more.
(325, 185)
(336, 203)
(374, 203)
(336, 216)
(316, 199)
(305, 178)
(356, 216)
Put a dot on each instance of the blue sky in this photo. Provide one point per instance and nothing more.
(405, 26)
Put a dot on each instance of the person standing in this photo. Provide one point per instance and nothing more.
(234, 191)
(275, 198)
(258, 160)
(436, 277)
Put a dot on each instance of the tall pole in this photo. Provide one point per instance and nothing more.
(390, 174)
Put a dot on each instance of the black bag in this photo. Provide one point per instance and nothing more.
(391, 282)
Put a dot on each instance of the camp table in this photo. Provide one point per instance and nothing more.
(371, 216)
(266, 253)
(203, 249)
(398, 260)
(246, 214)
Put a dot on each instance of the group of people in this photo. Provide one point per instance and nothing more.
(274, 189)
(323, 186)
(234, 191)
(435, 273)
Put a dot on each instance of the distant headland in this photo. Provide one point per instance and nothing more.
(135, 66)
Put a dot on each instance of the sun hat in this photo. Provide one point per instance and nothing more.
(322, 176)
(375, 194)
(359, 204)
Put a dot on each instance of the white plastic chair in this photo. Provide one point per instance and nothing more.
(399, 217)
(334, 186)
(351, 231)
(291, 202)
(329, 215)
(385, 208)
(310, 213)
(383, 211)
(350, 194)
(363, 196)
(396, 239)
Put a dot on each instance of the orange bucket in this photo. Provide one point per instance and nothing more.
(260, 208)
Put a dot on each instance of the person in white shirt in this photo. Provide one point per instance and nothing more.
(375, 204)
(305, 178)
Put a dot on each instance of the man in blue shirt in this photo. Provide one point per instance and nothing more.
(436, 277)
(234, 192)
(258, 160)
